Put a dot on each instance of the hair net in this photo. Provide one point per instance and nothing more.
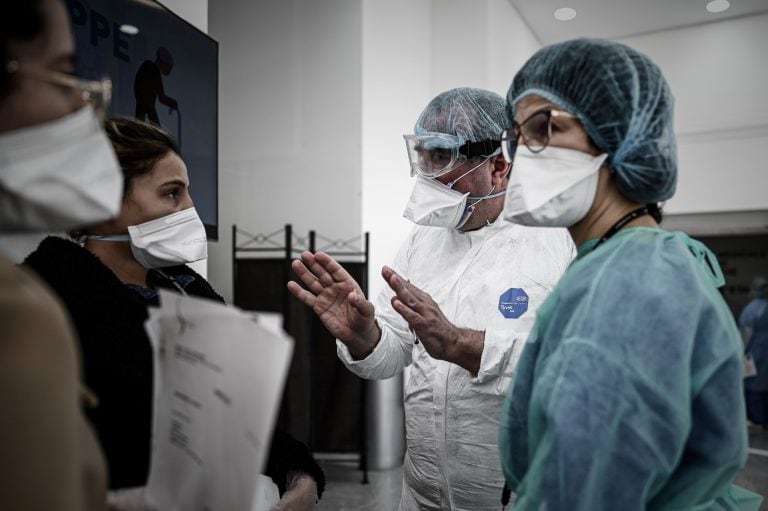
(623, 102)
(472, 115)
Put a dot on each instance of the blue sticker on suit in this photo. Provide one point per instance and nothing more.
(513, 303)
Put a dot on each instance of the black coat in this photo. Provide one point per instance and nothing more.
(117, 359)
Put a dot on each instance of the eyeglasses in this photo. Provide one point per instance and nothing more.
(535, 132)
(98, 93)
(436, 154)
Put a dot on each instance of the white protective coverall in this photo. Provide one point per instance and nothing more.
(491, 279)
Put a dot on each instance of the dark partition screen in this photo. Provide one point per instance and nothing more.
(322, 400)
(260, 284)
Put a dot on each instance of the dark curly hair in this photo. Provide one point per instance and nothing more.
(21, 20)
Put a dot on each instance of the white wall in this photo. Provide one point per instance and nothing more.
(193, 11)
(289, 120)
(718, 75)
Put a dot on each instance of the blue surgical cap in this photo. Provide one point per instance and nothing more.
(623, 102)
(472, 115)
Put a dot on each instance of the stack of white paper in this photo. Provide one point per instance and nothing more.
(219, 377)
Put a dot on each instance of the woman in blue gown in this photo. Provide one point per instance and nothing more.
(628, 393)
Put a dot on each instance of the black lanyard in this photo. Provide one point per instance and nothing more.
(621, 223)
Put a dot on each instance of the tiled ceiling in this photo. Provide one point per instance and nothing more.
(620, 18)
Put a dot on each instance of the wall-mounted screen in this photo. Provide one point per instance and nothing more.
(163, 70)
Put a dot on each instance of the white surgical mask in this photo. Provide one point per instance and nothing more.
(178, 238)
(58, 175)
(553, 188)
(434, 204)
(437, 205)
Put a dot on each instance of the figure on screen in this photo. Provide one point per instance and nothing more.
(148, 86)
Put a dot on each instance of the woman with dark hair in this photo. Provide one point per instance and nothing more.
(57, 170)
(107, 284)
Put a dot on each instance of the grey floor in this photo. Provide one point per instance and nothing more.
(345, 492)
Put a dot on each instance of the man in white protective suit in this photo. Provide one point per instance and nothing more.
(463, 292)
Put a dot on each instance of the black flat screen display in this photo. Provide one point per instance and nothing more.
(163, 70)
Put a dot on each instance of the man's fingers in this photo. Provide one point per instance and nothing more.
(325, 268)
(406, 292)
(302, 294)
(307, 277)
(316, 268)
(363, 306)
(393, 279)
(387, 272)
(398, 283)
(409, 315)
(334, 269)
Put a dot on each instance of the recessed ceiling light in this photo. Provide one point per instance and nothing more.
(716, 6)
(564, 14)
(129, 29)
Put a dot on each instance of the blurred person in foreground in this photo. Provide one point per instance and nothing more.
(57, 170)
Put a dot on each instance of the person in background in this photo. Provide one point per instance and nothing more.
(107, 284)
(753, 322)
(57, 170)
(628, 393)
(463, 292)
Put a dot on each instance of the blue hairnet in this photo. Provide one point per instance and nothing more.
(472, 115)
(623, 102)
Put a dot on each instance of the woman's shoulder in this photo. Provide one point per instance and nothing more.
(648, 266)
(52, 246)
(61, 259)
(640, 250)
(70, 269)
(89, 289)
(35, 326)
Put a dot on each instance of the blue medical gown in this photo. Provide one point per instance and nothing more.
(755, 317)
(628, 395)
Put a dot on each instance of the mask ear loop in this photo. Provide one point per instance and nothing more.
(450, 184)
(489, 195)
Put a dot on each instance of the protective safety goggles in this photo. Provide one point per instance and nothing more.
(435, 154)
(96, 92)
(535, 132)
